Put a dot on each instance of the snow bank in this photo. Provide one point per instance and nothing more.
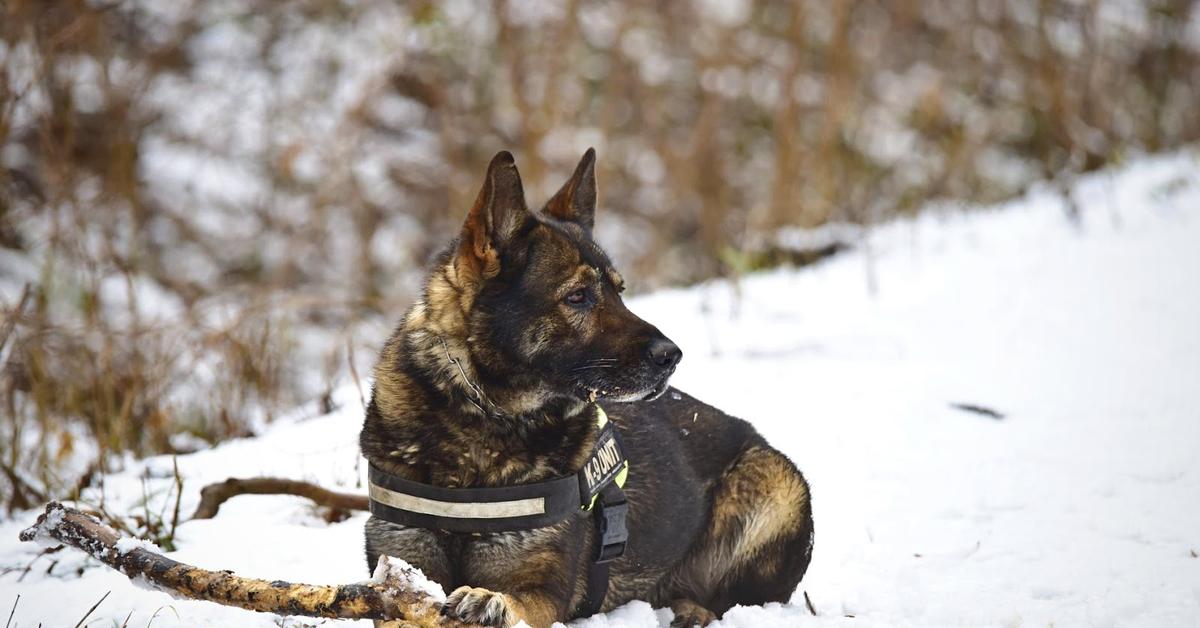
(1078, 507)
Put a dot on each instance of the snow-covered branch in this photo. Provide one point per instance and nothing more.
(397, 592)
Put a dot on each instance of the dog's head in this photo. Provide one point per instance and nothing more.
(541, 302)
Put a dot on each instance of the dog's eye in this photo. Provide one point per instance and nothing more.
(577, 298)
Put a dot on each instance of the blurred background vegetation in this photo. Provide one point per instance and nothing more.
(209, 210)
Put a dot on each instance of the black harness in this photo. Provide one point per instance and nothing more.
(596, 489)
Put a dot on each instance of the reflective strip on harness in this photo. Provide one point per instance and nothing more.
(469, 510)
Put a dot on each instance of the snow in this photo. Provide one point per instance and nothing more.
(128, 544)
(395, 571)
(1078, 507)
(43, 535)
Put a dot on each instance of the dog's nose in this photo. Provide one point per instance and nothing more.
(664, 353)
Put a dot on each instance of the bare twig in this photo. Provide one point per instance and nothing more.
(10, 321)
(975, 408)
(23, 489)
(213, 495)
(92, 609)
(13, 611)
(389, 599)
(159, 610)
(354, 373)
(29, 566)
(809, 605)
(178, 497)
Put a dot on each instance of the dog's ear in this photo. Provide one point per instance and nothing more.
(496, 217)
(576, 201)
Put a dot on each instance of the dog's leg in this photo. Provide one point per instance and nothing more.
(518, 576)
(758, 543)
(689, 614)
(416, 546)
(491, 608)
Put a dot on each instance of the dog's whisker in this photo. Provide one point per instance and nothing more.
(601, 361)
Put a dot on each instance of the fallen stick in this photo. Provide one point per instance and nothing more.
(213, 495)
(393, 594)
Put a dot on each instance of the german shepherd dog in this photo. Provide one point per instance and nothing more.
(490, 380)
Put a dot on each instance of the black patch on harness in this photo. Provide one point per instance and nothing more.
(603, 466)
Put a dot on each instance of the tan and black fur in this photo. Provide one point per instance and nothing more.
(489, 381)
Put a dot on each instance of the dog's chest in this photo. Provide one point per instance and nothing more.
(491, 460)
(487, 557)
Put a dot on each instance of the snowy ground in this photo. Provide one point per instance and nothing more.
(1081, 507)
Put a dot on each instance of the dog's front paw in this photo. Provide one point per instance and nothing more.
(476, 605)
(689, 614)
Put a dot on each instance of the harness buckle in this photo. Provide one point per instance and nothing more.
(613, 534)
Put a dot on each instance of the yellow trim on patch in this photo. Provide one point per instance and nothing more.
(622, 476)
